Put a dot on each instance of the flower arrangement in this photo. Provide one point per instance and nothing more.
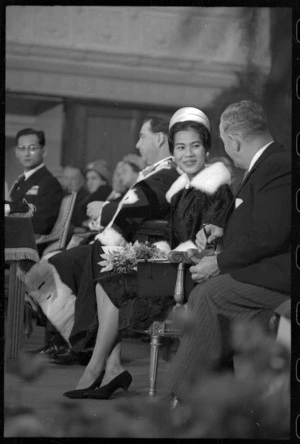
(125, 259)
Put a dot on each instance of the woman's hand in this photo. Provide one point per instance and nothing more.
(207, 235)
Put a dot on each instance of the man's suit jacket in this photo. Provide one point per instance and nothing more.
(257, 235)
(144, 201)
(45, 192)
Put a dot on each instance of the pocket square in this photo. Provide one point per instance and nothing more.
(33, 191)
(238, 202)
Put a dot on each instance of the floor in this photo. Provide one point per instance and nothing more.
(43, 394)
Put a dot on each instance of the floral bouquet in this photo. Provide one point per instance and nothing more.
(125, 259)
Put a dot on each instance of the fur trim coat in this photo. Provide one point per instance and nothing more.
(206, 199)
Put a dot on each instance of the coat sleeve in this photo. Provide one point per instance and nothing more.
(217, 207)
(145, 201)
(267, 229)
(47, 205)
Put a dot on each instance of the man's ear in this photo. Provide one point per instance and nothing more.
(45, 151)
(17, 153)
(235, 142)
(160, 137)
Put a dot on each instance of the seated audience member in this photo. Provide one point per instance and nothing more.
(199, 196)
(118, 189)
(125, 176)
(73, 180)
(97, 177)
(251, 276)
(68, 275)
(37, 186)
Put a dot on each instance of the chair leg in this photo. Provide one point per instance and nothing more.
(28, 322)
(154, 350)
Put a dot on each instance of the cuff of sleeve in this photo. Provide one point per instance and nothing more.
(6, 209)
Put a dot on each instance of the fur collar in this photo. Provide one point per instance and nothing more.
(111, 237)
(207, 180)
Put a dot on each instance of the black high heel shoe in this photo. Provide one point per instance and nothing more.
(80, 393)
(123, 380)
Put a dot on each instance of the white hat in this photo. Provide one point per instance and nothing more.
(189, 113)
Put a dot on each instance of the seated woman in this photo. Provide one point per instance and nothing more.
(97, 178)
(124, 177)
(200, 195)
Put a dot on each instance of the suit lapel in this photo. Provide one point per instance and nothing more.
(268, 151)
(27, 184)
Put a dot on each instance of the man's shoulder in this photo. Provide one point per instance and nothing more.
(44, 176)
(276, 158)
(279, 153)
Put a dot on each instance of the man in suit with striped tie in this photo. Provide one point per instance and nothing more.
(37, 185)
(251, 274)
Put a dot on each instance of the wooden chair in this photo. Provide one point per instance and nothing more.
(56, 240)
(154, 277)
(58, 236)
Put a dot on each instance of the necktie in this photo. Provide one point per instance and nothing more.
(19, 182)
(16, 186)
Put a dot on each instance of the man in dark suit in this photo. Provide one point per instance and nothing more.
(37, 185)
(250, 276)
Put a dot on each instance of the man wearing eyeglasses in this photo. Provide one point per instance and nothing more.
(37, 186)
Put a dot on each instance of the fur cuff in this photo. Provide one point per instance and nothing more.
(55, 298)
(111, 237)
(184, 246)
(163, 246)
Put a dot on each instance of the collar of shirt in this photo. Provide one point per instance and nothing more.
(146, 171)
(29, 173)
(258, 154)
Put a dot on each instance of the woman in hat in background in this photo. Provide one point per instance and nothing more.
(97, 182)
(200, 195)
(97, 178)
(124, 177)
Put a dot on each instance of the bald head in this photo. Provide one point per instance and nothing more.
(72, 178)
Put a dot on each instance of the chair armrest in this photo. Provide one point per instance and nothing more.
(47, 237)
(154, 225)
(151, 230)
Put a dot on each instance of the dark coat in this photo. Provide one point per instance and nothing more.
(45, 192)
(144, 201)
(257, 235)
(205, 200)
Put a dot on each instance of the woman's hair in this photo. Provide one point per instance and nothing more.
(135, 168)
(135, 161)
(201, 129)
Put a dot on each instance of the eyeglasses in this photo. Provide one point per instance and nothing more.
(31, 148)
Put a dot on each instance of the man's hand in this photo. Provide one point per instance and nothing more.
(205, 269)
(207, 235)
(94, 209)
(6, 209)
